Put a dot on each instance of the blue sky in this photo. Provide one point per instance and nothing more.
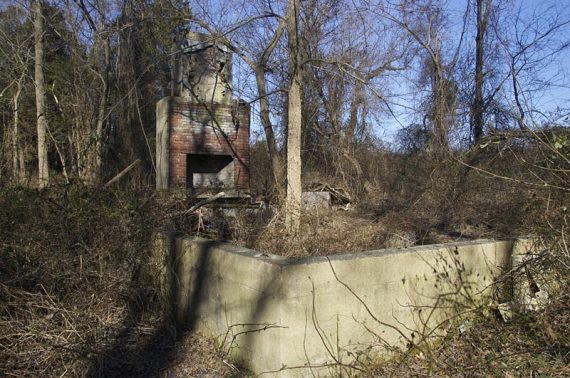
(405, 93)
(555, 71)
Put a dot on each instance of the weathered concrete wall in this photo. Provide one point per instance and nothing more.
(296, 317)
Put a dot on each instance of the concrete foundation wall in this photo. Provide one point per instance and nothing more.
(296, 317)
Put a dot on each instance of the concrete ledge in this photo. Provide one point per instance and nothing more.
(301, 317)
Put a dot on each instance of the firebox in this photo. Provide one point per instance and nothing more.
(209, 171)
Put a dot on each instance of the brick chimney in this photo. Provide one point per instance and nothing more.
(202, 134)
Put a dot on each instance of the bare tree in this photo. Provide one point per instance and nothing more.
(18, 161)
(294, 111)
(100, 66)
(42, 123)
(533, 46)
(16, 46)
(424, 22)
(483, 12)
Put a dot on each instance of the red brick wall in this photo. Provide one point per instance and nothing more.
(192, 132)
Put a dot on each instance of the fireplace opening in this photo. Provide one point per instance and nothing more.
(209, 171)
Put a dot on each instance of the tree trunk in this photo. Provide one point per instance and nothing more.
(355, 105)
(520, 118)
(18, 164)
(260, 68)
(293, 200)
(440, 108)
(42, 124)
(441, 111)
(478, 105)
(96, 160)
(276, 164)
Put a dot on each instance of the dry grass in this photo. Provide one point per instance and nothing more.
(416, 199)
(322, 232)
(33, 326)
(199, 356)
(74, 296)
(535, 344)
(329, 231)
(75, 299)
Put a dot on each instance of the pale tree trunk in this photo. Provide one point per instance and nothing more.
(355, 105)
(276, 164)
(42, 124)
(440, 107)
(293, 199)
(260, 69)
(96, 158)
(18, 165)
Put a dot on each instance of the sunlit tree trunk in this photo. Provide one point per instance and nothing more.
(440, 105)
(42, 124)
(97, 158)
(276, 163)
(293, 199)
(18, 164)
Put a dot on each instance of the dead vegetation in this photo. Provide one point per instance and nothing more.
(420, 200)
(503, 188)
(74, 298)
(530, 344)
(322, 232)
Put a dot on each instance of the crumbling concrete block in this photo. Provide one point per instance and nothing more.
(316, 200)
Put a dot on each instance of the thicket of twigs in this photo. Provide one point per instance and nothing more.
(74, 298)
(516, 186)
(508, 186)
(533, 344)
(495, 190)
